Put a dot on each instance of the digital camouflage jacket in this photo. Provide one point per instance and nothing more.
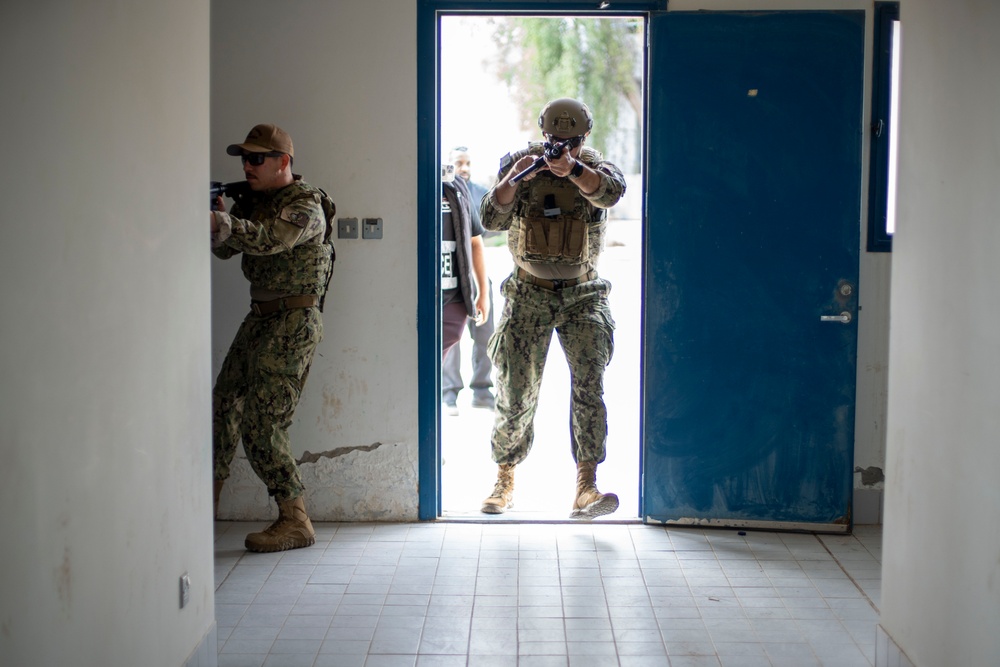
(284, 238)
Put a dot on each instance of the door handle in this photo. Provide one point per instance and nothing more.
(843, 318)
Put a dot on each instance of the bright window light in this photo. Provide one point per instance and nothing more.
(890, 212)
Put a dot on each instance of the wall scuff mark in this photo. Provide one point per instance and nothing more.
(308, 457)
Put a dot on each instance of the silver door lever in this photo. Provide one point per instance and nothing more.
(843, 318)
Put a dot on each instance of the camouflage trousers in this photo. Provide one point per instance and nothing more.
(257, 391)
(581, 317)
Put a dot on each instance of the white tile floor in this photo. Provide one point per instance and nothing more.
(481, 594)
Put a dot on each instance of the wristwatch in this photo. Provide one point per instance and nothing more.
(577, 170)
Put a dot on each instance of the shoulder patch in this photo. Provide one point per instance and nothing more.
(297, 218)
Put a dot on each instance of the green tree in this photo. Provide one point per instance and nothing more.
(596, 60)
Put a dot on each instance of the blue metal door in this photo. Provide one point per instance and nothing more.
(751, 278)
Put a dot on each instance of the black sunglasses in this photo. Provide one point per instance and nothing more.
(572, 142)
(257, 159)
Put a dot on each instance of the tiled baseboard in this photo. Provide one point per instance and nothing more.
(887, 653)
(868, 506)
(207, 652)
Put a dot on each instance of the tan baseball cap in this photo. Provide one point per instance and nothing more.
(264, 138)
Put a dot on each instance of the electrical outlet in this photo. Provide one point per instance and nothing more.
(347, 228)
(371, 228)
(185, 589)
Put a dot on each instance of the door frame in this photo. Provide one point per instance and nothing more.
(429, 13)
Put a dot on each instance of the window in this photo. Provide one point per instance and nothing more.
(882, 180)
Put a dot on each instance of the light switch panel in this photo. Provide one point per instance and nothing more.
(371, 228)
(347, 228)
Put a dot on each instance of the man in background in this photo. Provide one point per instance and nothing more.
(463, 270)
(451, 364)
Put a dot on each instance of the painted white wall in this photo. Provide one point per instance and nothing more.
(340, 77)
(941, 540)
(104, 333)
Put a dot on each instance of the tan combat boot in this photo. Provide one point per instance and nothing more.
(503, 492)
(590, 503)
(292, 529)
(216, 494)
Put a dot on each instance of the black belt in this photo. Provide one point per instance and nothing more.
(288, 303)
(556, 284)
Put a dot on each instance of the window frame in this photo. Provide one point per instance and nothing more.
(879, 238)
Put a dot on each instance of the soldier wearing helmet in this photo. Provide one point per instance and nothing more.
(552, 198)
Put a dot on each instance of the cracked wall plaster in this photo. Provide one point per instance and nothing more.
(870, 476)
(376, 482)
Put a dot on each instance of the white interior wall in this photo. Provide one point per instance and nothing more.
(941, 540)
(104, 330)
(340, 77)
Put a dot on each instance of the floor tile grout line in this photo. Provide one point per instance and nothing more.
(756, 558)
(562, 601)
(846, 573)
(527, 546)
(604, 591)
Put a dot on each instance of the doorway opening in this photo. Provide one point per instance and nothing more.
(488, 104)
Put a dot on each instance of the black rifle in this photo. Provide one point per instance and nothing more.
(552, 151)
(239, 191)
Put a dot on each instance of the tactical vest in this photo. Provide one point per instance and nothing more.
(307, 267)
(553, 222)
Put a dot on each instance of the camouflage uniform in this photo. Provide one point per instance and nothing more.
(284, 240)
(579, 313)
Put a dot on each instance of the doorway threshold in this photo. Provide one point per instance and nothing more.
(515, 516)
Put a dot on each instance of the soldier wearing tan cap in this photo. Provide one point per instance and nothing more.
(282, 230)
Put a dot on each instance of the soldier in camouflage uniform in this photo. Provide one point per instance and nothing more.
(556, 221)
(280, 225)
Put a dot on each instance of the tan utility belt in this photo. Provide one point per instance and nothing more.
(555, 284)
(287, 303)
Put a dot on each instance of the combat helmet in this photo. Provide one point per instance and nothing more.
(566, 117)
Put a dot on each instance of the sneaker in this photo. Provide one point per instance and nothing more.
(485, 400)
(450, 409)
